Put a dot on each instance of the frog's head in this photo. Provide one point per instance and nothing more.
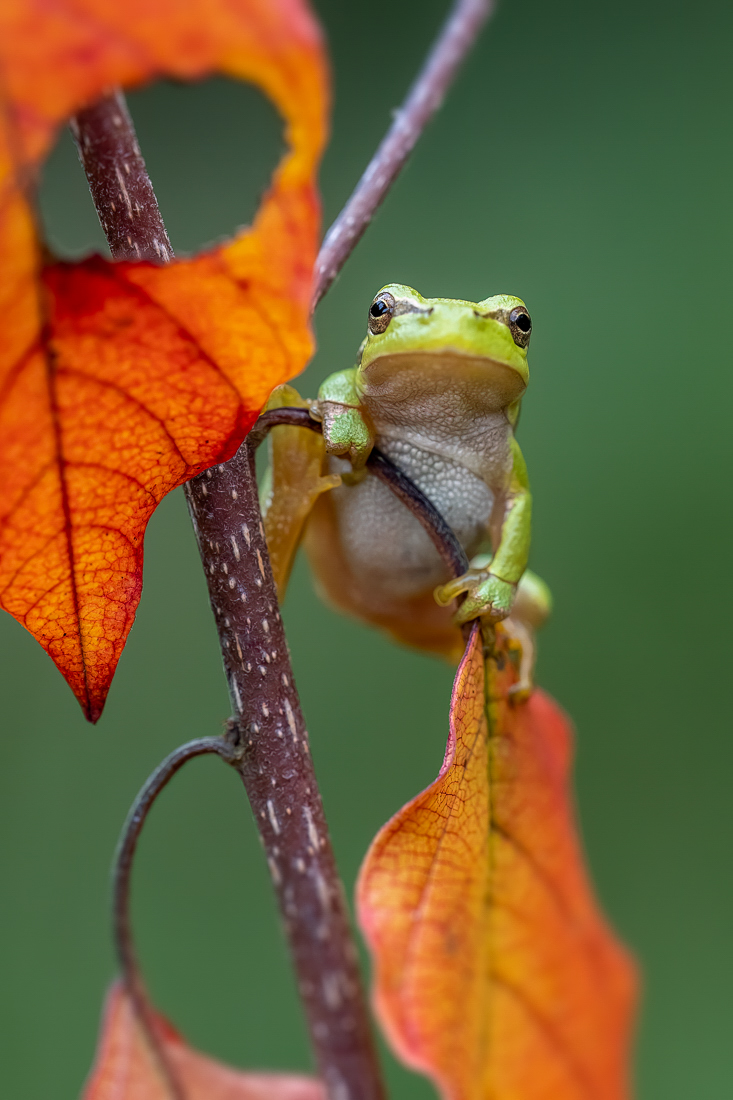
(436, 343)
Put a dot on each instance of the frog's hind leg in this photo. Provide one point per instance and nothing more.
(293, 483)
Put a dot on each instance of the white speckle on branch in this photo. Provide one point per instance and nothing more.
(291, 720)
(311, 827)
(273, 817)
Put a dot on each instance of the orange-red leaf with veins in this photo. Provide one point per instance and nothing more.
(496, 974)
(125, 1069)
(120, 381)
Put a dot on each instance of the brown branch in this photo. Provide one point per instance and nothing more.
(454, 40)
(275, 761)
(119, 182)
(278, 774)
(276, 768)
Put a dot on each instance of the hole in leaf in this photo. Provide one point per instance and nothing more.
(69, 219)
(210, 148)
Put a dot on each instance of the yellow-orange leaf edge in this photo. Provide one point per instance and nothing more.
(495, 972)
(125, 1068)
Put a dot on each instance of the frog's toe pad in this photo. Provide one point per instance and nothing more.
(492, 599)
(520, 692)
(446, 593)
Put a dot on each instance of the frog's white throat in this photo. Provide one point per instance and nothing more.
(429, 384)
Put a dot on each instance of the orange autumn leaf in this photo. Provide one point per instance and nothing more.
(496, 974)
(119, 382)
(125, 1068)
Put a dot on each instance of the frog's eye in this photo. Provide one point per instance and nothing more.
(520, 326)
(380, 312)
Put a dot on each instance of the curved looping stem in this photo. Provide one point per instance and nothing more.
(122, 871)
(293, 415)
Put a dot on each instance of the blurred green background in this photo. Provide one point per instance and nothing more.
(583, 161)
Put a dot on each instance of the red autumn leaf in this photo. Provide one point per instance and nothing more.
(118, 382)
(496, 974)
(125, 1068)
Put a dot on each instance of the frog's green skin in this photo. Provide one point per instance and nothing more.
(439, 389)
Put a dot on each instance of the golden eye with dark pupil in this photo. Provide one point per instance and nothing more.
(380, 313)
(520, 325)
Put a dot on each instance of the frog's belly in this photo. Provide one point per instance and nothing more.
(384, 545)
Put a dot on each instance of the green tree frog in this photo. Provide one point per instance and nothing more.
(437, 387)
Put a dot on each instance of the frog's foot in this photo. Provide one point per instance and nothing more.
(521, 643)
(487, 597)
(346, 432)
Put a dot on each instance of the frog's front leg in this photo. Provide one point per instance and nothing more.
(490, 592)
(347, 430)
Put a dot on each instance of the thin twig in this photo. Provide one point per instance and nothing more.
(121, 875)
(454, 40)
(442, 536)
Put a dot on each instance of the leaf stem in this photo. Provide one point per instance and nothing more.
(454, 40)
